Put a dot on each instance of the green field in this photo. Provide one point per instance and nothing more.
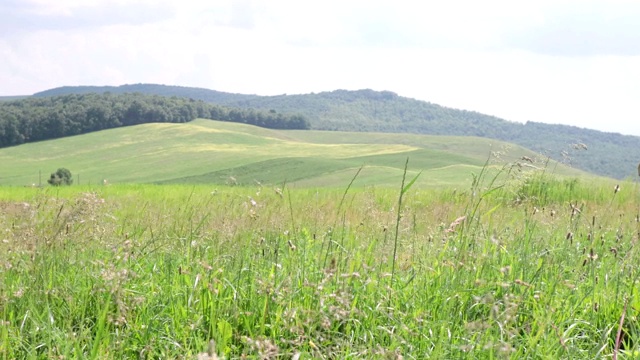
(322, 247)
(143, 271)
(213, 152)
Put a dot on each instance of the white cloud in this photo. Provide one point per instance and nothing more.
(584, 28)
(551, 61)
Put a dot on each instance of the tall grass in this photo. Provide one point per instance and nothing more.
(545, 271)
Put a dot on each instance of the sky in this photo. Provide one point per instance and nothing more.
(552, 61)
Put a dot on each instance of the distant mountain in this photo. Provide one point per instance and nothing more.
(608, 154)
(212, 96)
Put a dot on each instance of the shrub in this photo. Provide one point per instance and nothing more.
(61, 177)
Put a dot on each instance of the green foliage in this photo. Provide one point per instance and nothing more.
(61, 177)
(36, 119)
(609, 154)
(148, 271)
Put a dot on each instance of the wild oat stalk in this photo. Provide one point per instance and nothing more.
(619, 334)
(403, 189)
(344, 196)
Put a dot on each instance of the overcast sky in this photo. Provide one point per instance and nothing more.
(553, 61)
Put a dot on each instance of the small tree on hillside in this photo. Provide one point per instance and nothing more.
(61, 177)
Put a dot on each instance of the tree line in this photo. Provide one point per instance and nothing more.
(36, 119)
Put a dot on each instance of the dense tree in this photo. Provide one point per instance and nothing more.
(35, 119)
(61, 177)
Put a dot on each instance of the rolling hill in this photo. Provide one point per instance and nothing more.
(608, 154)
(206, 151)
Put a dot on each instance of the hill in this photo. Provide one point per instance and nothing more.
(205, 151)
(37, 119)
(608, 154)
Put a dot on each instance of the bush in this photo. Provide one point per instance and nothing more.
(61, 177)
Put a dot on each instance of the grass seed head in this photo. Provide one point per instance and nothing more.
(211, 352)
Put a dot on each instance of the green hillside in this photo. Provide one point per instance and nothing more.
(37, 119)
(608, 154)
(205, 151)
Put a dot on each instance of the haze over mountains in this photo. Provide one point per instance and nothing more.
(608, 154)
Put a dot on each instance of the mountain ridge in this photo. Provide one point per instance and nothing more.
(607, 153)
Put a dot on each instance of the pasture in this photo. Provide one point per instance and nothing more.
(215, 152)
(509, 265)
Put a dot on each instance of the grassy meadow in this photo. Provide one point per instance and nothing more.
(513, 264)
(215, 152)
(216, 240)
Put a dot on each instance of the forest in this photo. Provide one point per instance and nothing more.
(44, 118)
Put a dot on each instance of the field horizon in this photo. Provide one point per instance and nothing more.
(214, 152)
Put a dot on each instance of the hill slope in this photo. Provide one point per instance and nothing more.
(608, 154)
(37, 119)
(205, 151)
